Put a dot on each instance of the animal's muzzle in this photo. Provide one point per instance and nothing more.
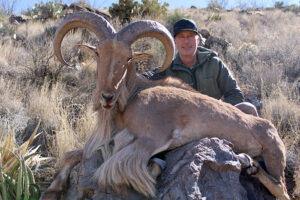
(108, 99)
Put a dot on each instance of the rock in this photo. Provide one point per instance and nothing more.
(204, 169)
(17, 19)
(207, 168)
(205, 33)
(216, 42)
(213, 42)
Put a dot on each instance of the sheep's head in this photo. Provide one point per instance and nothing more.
(113, 53)
(114, 59)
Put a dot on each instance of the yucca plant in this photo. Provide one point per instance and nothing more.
(16, 177)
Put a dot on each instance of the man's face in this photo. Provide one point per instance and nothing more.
(186, 43)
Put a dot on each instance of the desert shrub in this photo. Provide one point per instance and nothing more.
(43, 11)
(6, 29)
(174, 17)
(281, 107)
(50, 31)
(293, 8)
(12, 109)
(39, 62)
(125, 10)
(16, 175)
(152, 8)
(216, 5)
(278, 4)
(214, 17)
(40, 67)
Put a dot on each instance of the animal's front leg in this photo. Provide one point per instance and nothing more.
(70, 159)
(254, 169)
(122, 139)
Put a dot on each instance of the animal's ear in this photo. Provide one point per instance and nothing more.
(88, 48)
(138, 56)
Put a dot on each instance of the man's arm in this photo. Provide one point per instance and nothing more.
(228, 86)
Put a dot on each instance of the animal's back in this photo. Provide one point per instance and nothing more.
(164, 112)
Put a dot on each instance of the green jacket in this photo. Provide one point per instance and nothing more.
(209, 76)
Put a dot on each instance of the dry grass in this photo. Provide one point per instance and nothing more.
(282, 108)
(264, 57)
(12, 111)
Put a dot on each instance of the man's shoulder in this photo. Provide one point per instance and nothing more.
(203, 50)
(204, 55)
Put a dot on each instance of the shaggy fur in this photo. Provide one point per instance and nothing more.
(177, 126)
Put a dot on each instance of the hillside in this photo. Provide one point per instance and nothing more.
(263, 48)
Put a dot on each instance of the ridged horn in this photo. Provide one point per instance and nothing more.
(91, 21)
(149, 28)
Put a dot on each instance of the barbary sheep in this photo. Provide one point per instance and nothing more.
(138, 118)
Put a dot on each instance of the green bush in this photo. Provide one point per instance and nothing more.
(174, 17)
(279, 4)
(292, 8)
(7, 29)
(215, 5)
(215, 17)
(125, 10)
(43, 11)
(152, 8)
(17, 181)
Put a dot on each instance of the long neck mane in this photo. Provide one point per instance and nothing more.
(106, 128)
(101, 137)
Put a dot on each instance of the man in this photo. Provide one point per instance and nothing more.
(201, 68)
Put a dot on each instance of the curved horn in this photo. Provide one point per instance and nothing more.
(149, 28)
(91, 21)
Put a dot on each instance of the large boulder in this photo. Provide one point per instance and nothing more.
(205, 169)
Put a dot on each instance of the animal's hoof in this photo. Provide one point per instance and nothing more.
(162, 164)
(247, 162)
(49, 196)
(156, 166)
(252, 170)
(244, 160)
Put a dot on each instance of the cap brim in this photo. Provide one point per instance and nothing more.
(185, 30)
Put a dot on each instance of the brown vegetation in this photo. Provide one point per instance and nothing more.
(264, 57)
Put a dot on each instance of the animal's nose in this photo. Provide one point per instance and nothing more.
(107, 97)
